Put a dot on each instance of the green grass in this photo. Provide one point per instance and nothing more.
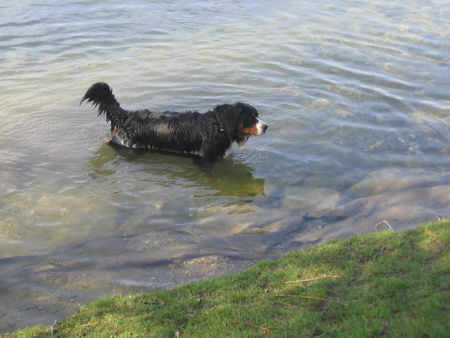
(387, 283)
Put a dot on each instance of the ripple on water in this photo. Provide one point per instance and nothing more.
(356, 95)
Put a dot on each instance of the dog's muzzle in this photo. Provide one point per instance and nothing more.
(261, 127)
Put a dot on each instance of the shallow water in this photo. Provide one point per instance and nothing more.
(356, 95)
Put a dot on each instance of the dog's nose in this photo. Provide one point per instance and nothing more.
(265, 128)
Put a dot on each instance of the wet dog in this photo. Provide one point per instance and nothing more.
(209, 135)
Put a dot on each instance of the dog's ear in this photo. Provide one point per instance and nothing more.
(244, 108)
(239, 108)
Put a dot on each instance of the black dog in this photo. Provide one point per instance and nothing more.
(207, 135)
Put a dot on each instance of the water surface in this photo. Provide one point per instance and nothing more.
(356, 93)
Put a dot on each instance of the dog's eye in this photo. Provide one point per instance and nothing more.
(250, 121)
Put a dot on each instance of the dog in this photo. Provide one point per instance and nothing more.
(209, 135)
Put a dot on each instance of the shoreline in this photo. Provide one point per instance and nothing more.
(382, 283)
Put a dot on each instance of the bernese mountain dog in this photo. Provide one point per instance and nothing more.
(208, 136)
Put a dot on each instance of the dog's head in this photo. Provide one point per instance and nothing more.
(242, 121)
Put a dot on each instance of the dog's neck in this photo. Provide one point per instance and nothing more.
(218, 124)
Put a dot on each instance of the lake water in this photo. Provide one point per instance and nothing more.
(356, 95)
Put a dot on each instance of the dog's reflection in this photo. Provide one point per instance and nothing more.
(227, 177)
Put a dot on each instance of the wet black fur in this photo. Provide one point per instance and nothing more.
(207, 135)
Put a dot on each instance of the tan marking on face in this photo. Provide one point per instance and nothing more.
(252, 130)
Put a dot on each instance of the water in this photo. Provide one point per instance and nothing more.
(356, 93)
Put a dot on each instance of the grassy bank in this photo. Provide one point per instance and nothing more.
(387, 283)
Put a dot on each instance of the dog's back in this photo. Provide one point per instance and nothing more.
(187, 133)
(170, 131)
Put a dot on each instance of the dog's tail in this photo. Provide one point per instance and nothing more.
(102, 97)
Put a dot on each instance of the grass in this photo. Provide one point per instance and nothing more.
(379, 284)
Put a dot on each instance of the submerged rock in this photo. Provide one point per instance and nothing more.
(307, 199)
(393, 179)
(403, 209)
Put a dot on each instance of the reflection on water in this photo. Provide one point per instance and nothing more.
(229, 177)
(356, 94)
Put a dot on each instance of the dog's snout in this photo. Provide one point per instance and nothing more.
(262, 127)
